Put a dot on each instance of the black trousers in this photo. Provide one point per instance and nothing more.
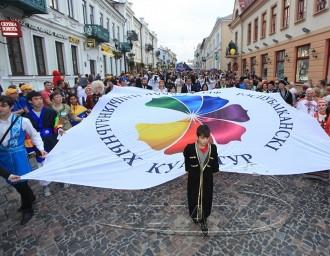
(26, 193)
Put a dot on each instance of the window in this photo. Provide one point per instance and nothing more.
(320, 5)
(273, 20)
(60, 57)
(101, 19)
(108, 24)
(285, 14)
(92, 67)
(84, 7)
(249, 34)
(244, 66)
(105, 68)
(264, 66)
(302, 63)
(91, 15)
(39, 52)
(74, 59)
(280, 57)
(113, 31)
(253, 65)
(255, 37)
(15, 56)
(236, 38)
(301, 9)
(118, 33)
(53, 4)
(70, 8)
(263, 24)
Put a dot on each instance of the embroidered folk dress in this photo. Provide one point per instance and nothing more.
(200, 168)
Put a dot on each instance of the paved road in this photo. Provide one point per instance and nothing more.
(252, 215)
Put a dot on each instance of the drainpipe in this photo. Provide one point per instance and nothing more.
(152, 52)
(141, 43)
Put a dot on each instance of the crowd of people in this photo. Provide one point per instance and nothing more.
(33, 121)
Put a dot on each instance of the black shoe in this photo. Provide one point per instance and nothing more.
(26, 216)
(204, 228)
(33, 201)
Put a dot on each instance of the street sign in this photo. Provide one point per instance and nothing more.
(90, 43)
(10, 28)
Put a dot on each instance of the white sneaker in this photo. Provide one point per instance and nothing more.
(47, 191)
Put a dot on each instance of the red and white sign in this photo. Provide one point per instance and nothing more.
(10, 28)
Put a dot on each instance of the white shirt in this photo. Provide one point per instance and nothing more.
(81, 94)
(161, 90)
(309, 107)
(27, 127)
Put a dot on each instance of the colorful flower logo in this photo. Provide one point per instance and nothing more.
(174, 136)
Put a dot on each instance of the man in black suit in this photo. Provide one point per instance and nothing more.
(144, 84)
(201, 161)
(190, 87)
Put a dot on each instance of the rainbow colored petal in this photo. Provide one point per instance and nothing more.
(169, 103)
(223, 131)
(233, 112)
(160, 136)
(188, 137)
(193, 103)
(174, 136)
(211, 104)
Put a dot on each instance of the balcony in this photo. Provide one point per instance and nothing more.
(29, 7)
(132, 36)
(149, 47)
(98, 32)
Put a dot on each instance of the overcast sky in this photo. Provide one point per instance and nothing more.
(182, 24)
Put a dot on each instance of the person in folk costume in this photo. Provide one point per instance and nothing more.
(14, 160)
(46, 122)
(323, 118)
(201, 161)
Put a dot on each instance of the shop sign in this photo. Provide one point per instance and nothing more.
(10, 28)
(74, 40)
(90, 43)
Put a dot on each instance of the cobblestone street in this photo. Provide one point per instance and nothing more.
(252, 215)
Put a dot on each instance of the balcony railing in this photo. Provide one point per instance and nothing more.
(29, 6)
(96, 31)
(132, 35)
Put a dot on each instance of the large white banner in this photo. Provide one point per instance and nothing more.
(134, 138)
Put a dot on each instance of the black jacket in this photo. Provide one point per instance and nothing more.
(141, 86)
(194, 88)
(192, 164)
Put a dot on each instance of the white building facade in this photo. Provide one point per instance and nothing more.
(166, 57)
(211, 53)
(72, 36)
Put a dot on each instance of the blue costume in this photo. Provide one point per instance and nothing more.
(14, 157)
(14, 160)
